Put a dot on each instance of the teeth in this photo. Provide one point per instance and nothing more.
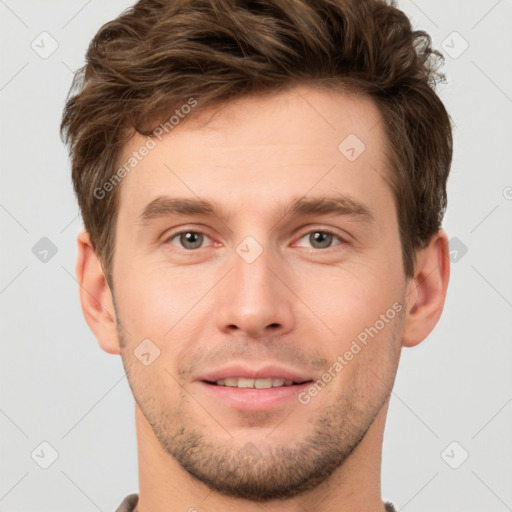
(242, 382)
(245, 383)
(262, 383)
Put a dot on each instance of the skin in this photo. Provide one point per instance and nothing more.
(299, 304)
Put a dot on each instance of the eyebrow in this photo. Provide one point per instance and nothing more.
(340, 205)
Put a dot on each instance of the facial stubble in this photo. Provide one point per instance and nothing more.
(250, 470)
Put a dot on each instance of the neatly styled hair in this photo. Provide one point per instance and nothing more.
(159, 54)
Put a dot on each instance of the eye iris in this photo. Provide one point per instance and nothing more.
(320, 237)
(191, 240)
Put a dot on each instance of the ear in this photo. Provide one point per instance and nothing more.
(426, 292)
(95, 296)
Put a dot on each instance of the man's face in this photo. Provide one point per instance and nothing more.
(260, 294)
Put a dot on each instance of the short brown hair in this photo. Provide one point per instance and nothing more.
(160, 53)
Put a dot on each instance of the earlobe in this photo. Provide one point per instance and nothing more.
(95, 296)
(426, 292)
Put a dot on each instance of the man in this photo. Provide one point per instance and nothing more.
(262, 186)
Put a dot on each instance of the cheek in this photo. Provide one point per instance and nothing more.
(159, 302)
(348, 299)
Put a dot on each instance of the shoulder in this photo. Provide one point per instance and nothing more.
(128, 504)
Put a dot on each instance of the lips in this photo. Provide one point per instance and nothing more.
(254, 378)
(253, 389)
(242, 382)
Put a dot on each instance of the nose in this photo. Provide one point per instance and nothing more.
(254, 299)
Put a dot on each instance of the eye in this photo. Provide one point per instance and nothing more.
(321, 239)
(189, 240)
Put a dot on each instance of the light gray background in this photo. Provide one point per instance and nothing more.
(58, 386)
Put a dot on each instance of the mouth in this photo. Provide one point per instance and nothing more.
(246, 383)
(251, 389)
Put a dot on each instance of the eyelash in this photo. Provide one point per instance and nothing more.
(325, 231)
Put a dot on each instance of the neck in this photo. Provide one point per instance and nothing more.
(164, 486)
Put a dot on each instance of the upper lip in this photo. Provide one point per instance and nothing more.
(263, 372)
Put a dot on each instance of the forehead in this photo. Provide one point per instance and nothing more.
(296, 142)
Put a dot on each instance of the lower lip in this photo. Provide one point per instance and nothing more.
(249, 399)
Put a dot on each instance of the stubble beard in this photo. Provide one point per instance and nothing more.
(252, 471)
